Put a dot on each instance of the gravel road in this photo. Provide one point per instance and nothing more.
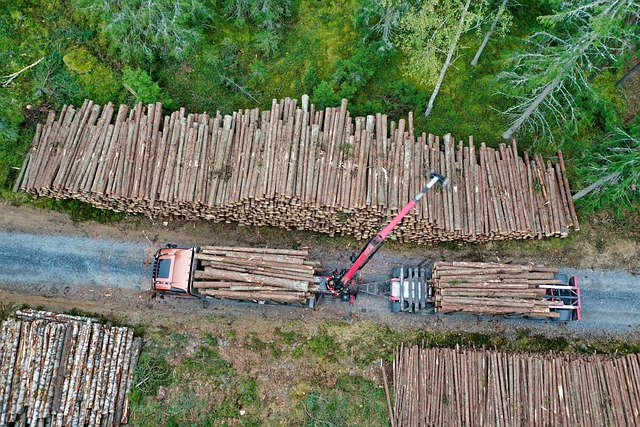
(55, 264)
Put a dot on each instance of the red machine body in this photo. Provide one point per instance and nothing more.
(343, 284)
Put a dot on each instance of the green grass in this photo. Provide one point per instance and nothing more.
(78, 211)
(353, 401)
(200, 389)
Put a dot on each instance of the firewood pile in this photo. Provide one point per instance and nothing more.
(493, 288)
(472, 387)
(296, 168)
(261, 274)
(57, 370)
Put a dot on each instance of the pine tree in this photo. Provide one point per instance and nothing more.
(578, 41)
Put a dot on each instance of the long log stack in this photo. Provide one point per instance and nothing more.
(493, 288)
(261, 274)
(60, 370)
(472, 387)
(296, 168)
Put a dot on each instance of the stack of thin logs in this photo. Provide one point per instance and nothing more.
(60, 370)
(472, 387)
(262, 274)
(296, 168)
(493, 288)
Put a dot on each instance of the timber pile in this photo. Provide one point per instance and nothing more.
(471, 387)
(57, 370)
(296, 168)
(493, 288)
(260, 274)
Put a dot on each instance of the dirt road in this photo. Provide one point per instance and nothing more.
(44, 255)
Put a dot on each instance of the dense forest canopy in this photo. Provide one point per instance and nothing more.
(553, 74)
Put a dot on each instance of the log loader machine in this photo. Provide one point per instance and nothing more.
(343, 284)
(174, 267)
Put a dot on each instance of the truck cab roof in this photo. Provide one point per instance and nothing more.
(172, 270)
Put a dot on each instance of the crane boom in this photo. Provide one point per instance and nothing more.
(343, 284)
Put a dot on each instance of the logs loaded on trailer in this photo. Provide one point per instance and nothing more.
(277, 275)
(495, 288)
(60, 370)
(258, 274)
(296, 168)
(477, 387)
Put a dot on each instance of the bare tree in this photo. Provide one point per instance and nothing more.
(487, 36)
(430, 39)
(581, 40)
(453, 47)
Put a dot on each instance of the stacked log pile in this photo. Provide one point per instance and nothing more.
(296, 168)
(261, 274)
(60, 370)
(493, 288)
(472, 387)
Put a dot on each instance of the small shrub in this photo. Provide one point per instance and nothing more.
(144, 89)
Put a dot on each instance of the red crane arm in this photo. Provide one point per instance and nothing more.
(346, 281)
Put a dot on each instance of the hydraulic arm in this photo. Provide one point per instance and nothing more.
(343, 284)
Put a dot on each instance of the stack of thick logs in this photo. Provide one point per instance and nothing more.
(60, 370)
(470, 387)
(493, 288)
(260, 274)
(297, 168)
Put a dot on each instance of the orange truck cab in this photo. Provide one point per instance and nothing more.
(173, 270)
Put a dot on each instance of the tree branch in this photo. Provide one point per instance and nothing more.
(8, 79)
(599, 183)
(629, 74)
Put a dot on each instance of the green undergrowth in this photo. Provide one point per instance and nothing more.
(298, 373)
(174, 386)
(77, 210)
(7, 308)
(353, 401)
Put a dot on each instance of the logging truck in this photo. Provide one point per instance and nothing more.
(287, 276)
(258, 274)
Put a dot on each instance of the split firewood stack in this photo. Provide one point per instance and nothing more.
(57, 370)
(296, 168)
(476, 387)
(493, 288)
(262, 274)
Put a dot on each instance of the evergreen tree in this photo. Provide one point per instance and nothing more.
(147, 30)
(578, 41)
